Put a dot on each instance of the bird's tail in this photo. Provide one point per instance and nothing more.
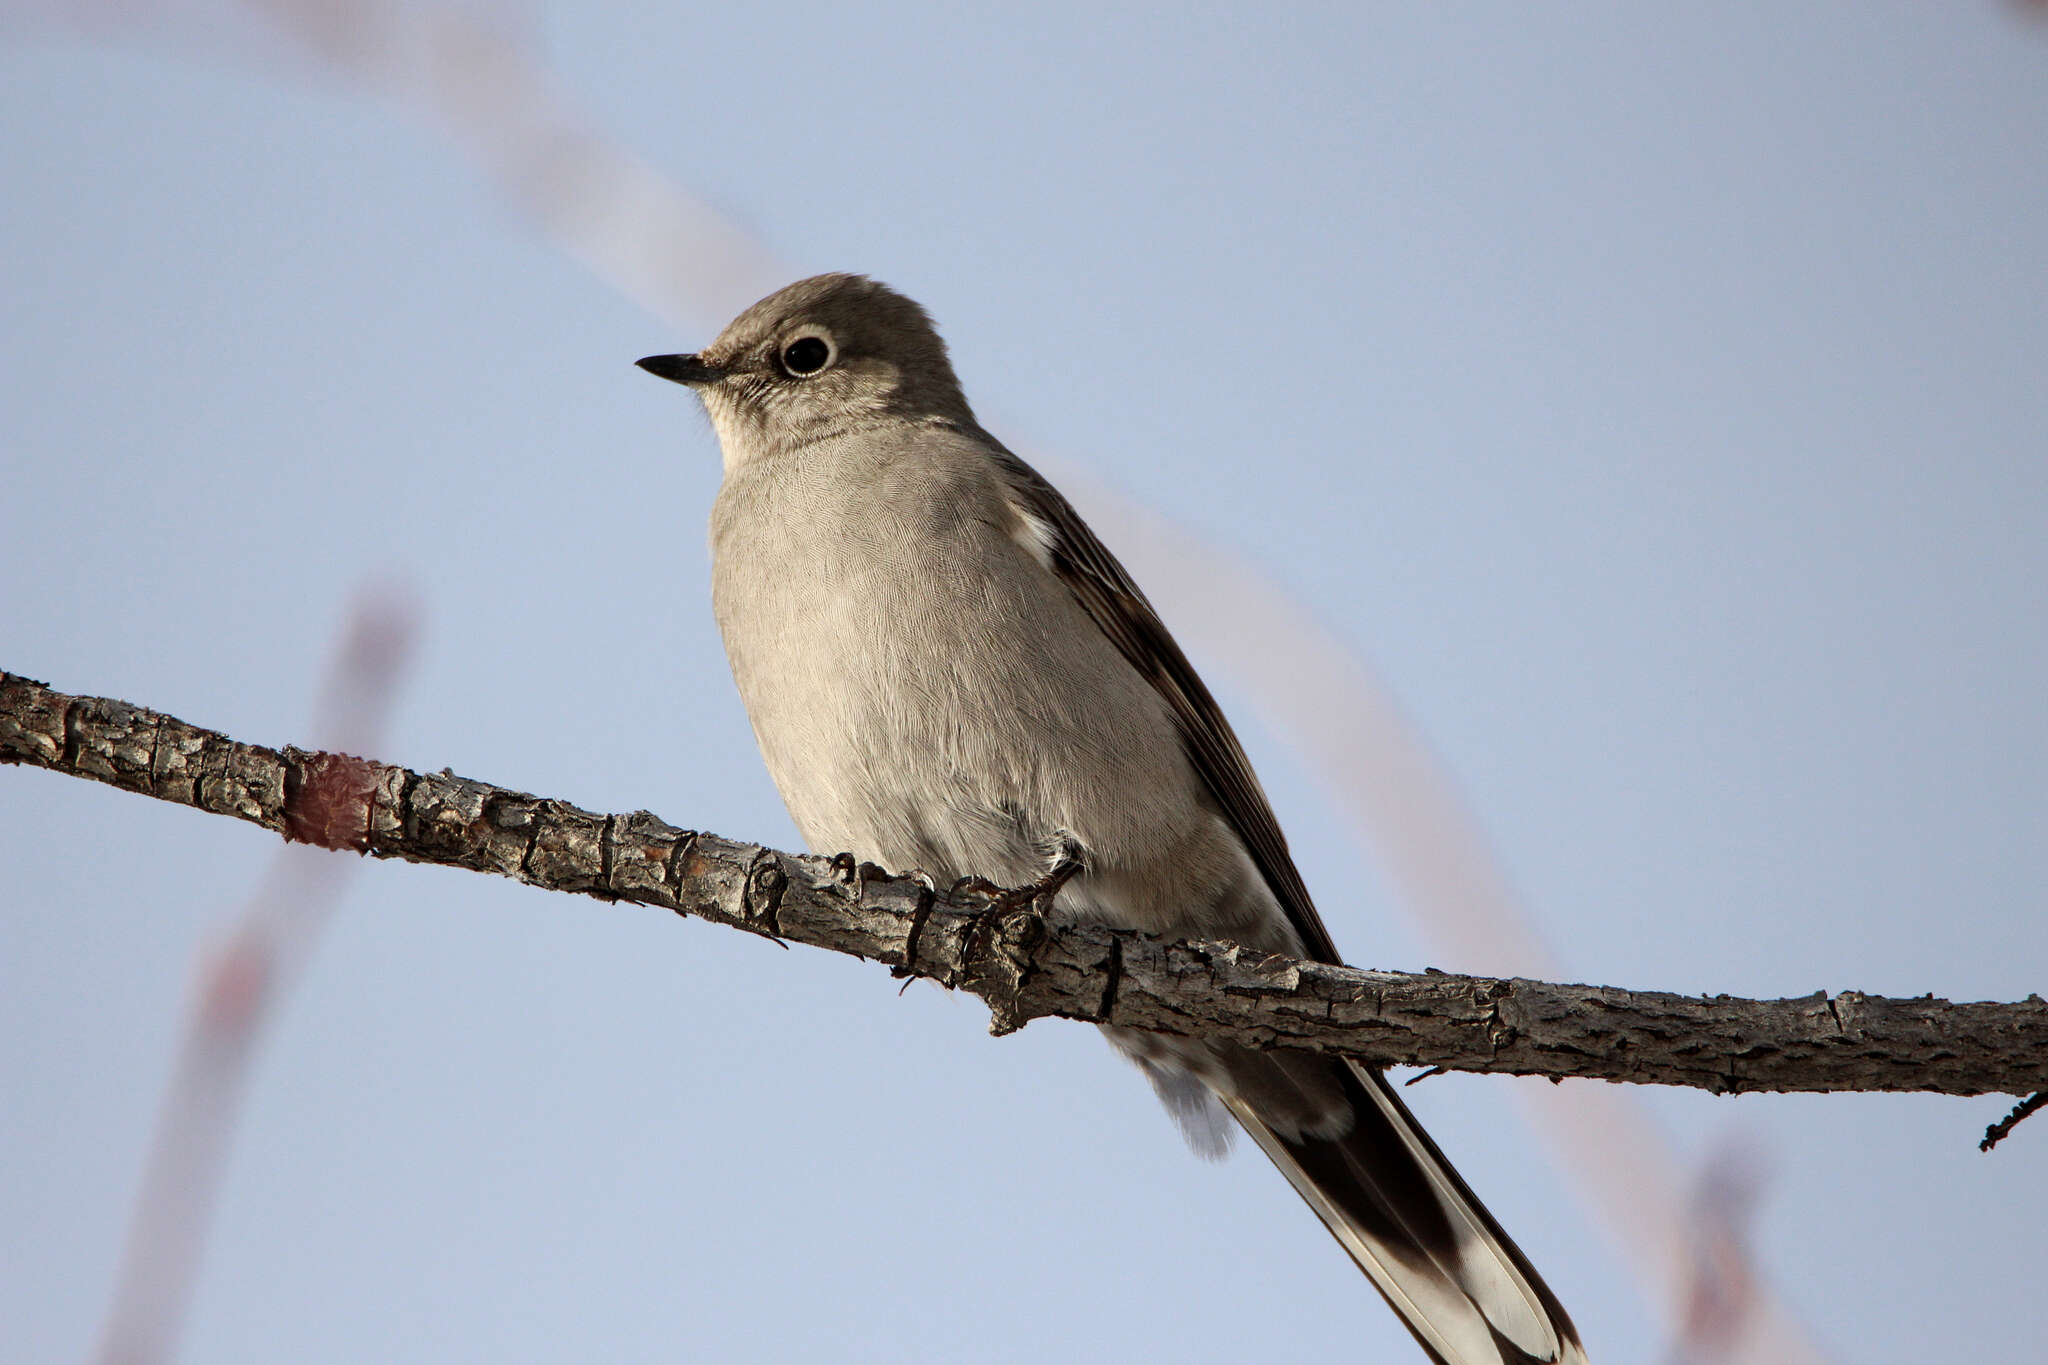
(1389, 1197)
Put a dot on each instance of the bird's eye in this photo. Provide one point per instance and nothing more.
(806, 355)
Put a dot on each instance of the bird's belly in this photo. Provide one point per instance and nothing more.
(958, 715)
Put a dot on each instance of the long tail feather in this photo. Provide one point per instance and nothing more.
(1410, 1222)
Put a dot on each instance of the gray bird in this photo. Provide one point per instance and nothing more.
(946, 671)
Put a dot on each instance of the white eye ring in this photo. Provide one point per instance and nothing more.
(806, 354)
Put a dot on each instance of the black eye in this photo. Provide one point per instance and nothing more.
(807, 355)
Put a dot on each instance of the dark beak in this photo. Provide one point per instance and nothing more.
(681, 369)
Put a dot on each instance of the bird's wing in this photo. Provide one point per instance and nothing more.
(1106, 592)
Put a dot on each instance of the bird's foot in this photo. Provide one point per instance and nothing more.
(1067, 862)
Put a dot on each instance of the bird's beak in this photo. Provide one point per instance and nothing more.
(682, 369)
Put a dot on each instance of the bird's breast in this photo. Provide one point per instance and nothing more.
(924, 692)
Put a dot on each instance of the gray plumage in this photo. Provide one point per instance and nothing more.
(946, 671)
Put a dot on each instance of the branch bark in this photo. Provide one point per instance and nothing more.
(1024, 966)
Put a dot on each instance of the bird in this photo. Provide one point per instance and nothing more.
(947, 672)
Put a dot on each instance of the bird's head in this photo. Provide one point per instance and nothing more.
(827, 356)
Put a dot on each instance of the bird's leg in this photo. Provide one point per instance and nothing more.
(1068, 859)
(1067, 862)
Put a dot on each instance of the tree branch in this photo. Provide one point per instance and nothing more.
(1015, 960)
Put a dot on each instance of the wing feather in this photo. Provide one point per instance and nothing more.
(1106, 592)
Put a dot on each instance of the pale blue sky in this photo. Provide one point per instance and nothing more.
(1654, 393)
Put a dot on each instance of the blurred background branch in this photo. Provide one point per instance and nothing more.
(240, 985)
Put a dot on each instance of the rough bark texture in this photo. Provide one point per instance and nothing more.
(1011, 957)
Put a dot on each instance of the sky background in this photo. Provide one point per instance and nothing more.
(1652, 393)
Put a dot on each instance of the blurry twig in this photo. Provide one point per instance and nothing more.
(239, 985)
(471, 71)
(1719, 1306)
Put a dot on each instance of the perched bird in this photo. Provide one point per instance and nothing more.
(946, 671)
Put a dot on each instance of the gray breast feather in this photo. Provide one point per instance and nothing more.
(928, 694)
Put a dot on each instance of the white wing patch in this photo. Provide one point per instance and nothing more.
(1038, 536)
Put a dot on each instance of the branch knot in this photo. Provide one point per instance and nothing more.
(997, 961)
